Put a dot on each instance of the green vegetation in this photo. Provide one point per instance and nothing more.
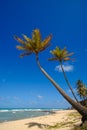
(83, 127)
(69, 122)
(61, 125)
(34, 44)
(81, 90)
(75, 114)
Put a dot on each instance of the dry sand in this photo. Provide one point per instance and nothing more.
(61, 120)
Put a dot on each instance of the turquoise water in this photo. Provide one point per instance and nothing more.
(10, 114)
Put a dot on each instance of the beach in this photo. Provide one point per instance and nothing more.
(60, 120)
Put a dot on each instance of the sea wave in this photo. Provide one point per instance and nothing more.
(27, 109)
(4, 110)
(9, 114)
(19, 110)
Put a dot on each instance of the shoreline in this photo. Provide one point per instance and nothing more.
(12, 114)
(60, 120)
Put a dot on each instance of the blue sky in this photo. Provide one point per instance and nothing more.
(21, 82)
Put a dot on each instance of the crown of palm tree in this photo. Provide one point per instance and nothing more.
(60, 54)
(81, 89)
(34, 44)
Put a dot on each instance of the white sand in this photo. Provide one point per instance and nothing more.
(43, 122)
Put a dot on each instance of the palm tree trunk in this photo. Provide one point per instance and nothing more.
(82, 110)
(68, 82)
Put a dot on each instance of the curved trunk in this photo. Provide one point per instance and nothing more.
(82, 110)
(68, 81)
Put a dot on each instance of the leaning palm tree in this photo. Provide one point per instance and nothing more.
(36, 45)
(62, 55)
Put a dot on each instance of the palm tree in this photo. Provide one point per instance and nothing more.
(36, 45)
(62, 55)
(81, 89)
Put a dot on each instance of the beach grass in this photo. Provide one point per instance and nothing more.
(70, 122)
(61, 125)
(72, 119)
(83, 127)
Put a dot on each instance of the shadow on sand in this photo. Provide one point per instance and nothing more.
(39, 125)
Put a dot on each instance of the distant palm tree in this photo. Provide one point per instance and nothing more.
(81, 89)
(62, 55)
(36, 45)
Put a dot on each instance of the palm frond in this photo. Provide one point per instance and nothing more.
(64, 51)
(27, 38)
(19, 40)
(52, 59)
(66, 59)
(25, 54)
(20, 47)
(46, 41)
(36, 38)
(69, 54)
(43, 48)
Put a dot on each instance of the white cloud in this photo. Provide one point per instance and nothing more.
(67, 68)
(16, 98)
(1, 98)
(40, 97)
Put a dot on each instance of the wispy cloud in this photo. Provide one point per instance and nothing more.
(1, 98)
(39, 96)
(67, 68)
(16, 98)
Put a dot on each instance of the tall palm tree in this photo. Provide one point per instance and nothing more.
(62, 55)
(36, 45)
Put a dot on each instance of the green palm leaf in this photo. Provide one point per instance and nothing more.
(52, 59)
(46, 41)
(34, 44)
(27, 38)
(36, 36)
(19, 40)
(20, 47)
(61, 54)
(25, 54)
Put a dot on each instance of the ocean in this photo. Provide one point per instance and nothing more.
(11, 114)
